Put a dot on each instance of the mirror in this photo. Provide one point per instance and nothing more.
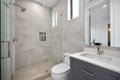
(101, 25)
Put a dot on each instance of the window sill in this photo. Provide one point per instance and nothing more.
(72, 19)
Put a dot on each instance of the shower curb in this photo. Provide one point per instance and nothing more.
(44, 76)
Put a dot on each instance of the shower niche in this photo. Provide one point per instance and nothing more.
(42, 36)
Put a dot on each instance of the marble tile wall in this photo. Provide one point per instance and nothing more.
(72, 31)
(29, 50)
(67, 36)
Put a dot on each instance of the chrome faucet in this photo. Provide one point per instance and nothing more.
(99, 50)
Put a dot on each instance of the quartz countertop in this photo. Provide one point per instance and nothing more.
(113, 65)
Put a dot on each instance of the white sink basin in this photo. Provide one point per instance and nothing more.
(97, 57)
(105, 61)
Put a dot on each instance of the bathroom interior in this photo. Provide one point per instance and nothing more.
(60, 40)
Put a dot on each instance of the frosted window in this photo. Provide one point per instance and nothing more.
(73, 9)
(54, 18)
(69, 10)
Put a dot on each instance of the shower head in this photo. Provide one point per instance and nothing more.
(22, 9)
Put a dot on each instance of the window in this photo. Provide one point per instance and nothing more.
(54, 18)
(73, 9)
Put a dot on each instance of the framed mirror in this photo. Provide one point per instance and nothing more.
(101, 23)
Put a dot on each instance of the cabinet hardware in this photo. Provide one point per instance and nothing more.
(88, 73)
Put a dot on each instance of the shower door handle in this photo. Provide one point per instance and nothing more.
(8, 56)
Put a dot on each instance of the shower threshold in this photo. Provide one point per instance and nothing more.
(36, 72)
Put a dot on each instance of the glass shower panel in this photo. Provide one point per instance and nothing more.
(6, 25)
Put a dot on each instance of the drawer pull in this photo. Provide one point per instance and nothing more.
(86, 72)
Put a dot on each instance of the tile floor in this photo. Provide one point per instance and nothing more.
(50, 78)
(34, 72)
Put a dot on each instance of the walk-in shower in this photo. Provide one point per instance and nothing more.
(34, 56)
(29, 55)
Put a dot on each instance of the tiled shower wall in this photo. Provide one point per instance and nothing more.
(72, 30)
(29, 50)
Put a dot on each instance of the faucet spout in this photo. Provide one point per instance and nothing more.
(99, 50)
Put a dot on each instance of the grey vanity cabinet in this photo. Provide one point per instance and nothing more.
(119, 78)
(81, 70)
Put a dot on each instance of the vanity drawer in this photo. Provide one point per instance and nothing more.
(119, 77)
(91, 72)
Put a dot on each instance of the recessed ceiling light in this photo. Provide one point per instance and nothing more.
(104, 6)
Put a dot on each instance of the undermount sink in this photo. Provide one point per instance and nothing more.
(97, 57)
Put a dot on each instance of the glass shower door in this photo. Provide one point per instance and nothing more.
(6, 40)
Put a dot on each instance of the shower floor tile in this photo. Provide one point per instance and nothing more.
(50, 78)
(34, 72)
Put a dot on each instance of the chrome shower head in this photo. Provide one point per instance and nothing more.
(22, 9)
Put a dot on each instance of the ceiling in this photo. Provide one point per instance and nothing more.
(48, 3)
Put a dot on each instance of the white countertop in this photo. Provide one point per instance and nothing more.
(113, 65)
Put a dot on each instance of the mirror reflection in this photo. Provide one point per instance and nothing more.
(98, 21)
